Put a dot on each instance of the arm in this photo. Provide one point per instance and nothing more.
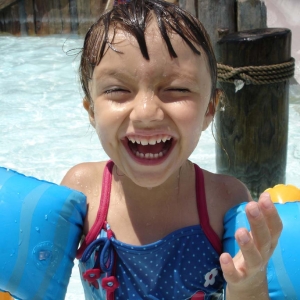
(87, 178)
(246, 272)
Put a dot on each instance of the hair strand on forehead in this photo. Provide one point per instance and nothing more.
(133, 18)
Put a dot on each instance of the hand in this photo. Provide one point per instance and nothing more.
(246, 272)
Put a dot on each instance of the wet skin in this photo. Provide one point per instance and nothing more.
(136, 102)
(144, 99)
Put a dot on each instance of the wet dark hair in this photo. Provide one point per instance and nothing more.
(134, 17)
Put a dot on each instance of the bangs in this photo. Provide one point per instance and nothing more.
(133, 18)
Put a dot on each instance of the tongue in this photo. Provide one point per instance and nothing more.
(151, 148)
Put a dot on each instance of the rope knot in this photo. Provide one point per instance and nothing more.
(257, 75)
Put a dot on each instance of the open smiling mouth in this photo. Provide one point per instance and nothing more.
(152, 148)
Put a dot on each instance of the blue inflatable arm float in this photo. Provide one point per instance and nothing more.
(41, 226)
(283, 270)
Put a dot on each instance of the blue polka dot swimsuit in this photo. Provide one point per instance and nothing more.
(182, 265)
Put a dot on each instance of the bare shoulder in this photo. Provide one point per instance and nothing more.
(87, 178)
(84, 177)
(222, 193)
(228, 191)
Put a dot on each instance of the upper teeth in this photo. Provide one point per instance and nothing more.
(149, 141)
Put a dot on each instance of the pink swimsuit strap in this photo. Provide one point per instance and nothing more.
(104, 204)
(203, 213)
(102, 211)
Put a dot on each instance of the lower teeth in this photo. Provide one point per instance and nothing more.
(149, 155)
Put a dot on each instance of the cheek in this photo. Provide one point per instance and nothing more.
(194, 123)
(108, 120)
(190, 118)
(102, 121)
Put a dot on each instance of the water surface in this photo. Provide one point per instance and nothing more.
(45, 130)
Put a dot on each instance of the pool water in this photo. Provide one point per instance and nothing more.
(45, 130)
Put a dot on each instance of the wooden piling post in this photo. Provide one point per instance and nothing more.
(65, 16)
(55, 20)
(30, 18)
(189, 5)
(251, 14)
(97, 8)
(5, 3)
(22, 18)
(217, 16)
(73, 16)
(84, 14)
(10, 20)
(41, 17)
(252, 123)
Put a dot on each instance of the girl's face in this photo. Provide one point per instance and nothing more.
(149, 115)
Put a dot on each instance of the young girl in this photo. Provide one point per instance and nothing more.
(155, 220)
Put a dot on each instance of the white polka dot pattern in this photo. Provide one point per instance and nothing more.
(177, 267)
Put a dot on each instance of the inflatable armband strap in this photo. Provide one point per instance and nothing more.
(283, 270)
(41, 225)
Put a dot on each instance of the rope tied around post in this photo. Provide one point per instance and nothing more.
(257, 75)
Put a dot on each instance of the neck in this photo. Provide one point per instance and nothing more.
(167, 191)
(140, 215)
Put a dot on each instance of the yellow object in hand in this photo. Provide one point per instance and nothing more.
(282, 193)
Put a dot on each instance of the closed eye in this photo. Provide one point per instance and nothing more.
(115, 90)
(179, 90)
(117, 94)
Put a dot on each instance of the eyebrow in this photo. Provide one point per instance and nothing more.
(187, 77)
(113, 73)
(122, 74)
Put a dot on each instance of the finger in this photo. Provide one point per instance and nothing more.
(252, 256)
(259, 229)
(272, 217)
(230, 273)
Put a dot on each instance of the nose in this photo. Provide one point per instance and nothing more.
(147, 107)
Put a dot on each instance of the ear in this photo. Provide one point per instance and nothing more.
(89, 107)
(211, 109)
